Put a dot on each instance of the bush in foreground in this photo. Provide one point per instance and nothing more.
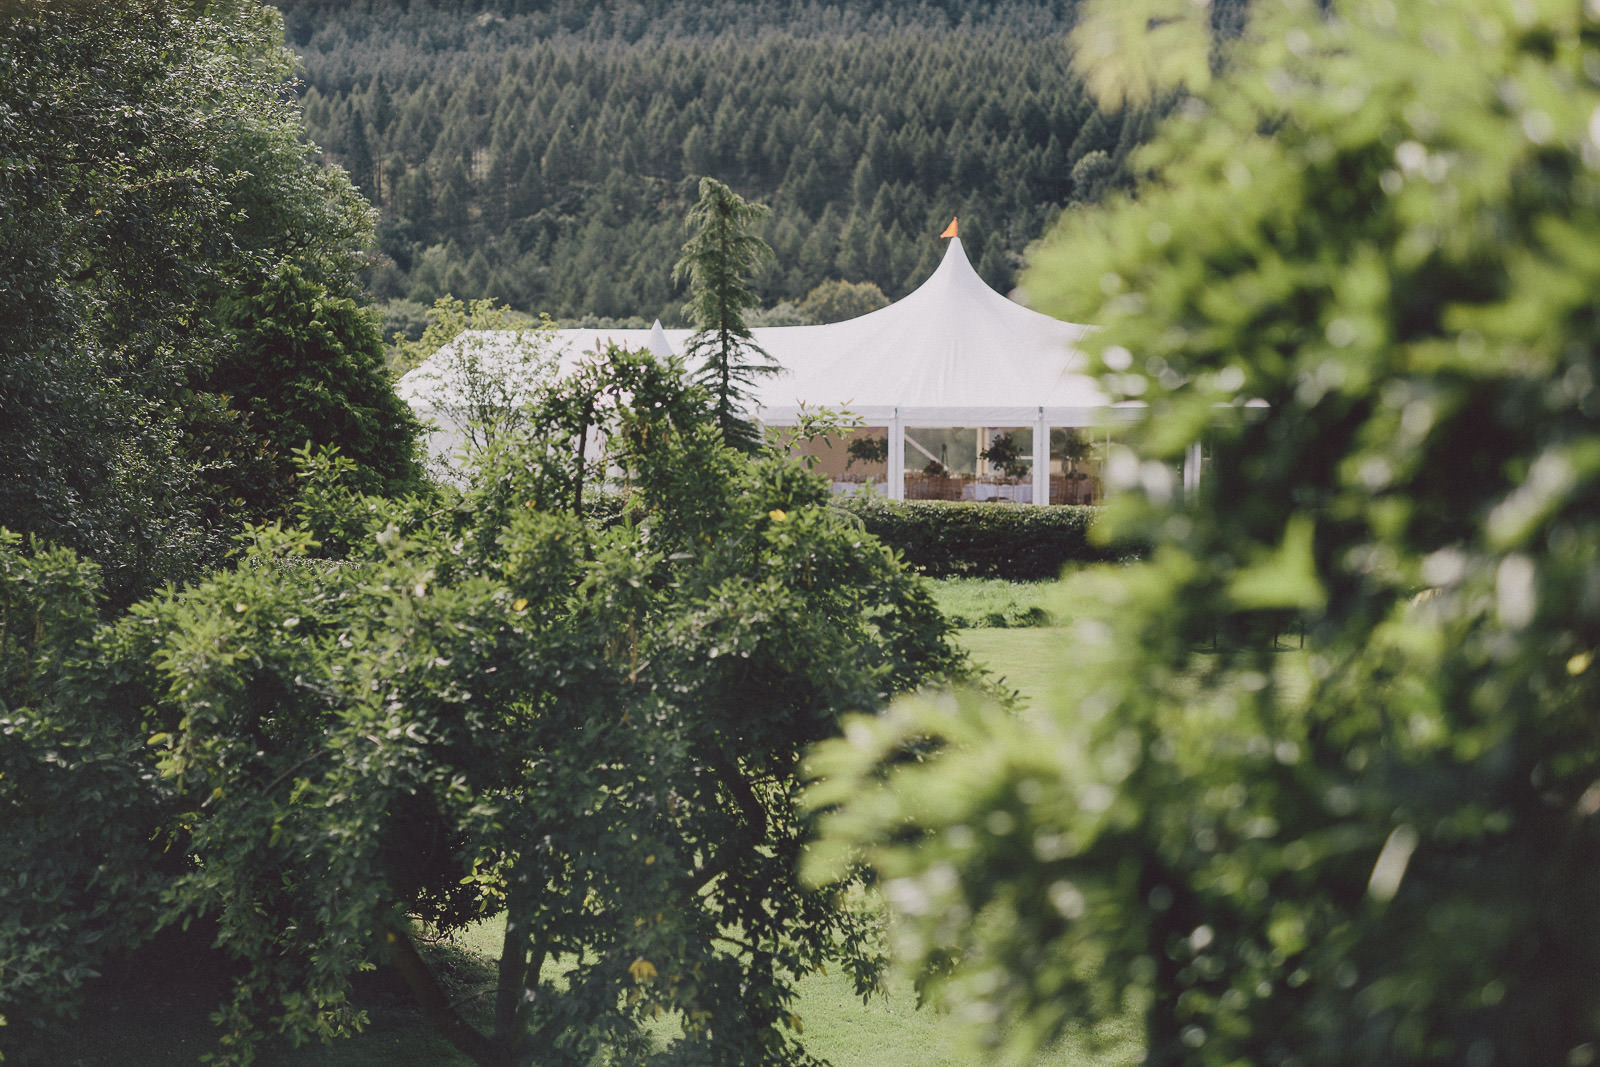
(438, 710)
(1382, 224)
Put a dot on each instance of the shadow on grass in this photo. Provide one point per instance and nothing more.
(154, 1010)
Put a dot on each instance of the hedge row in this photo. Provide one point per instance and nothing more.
(945, 539)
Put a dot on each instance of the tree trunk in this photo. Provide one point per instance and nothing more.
(436, 1006)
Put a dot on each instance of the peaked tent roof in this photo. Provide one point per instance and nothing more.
(953, 352)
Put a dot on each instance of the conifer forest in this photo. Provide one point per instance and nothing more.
(544, 154)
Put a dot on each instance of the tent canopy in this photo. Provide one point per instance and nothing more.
(952, 353)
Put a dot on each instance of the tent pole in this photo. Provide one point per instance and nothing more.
(897, 457)
(1191, 468)
(1041, 459)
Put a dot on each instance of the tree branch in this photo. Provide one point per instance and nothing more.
(755, 814)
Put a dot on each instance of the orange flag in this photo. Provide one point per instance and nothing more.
(950, 230)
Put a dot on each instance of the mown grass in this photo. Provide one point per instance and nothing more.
(993, 603)
(1023, 660)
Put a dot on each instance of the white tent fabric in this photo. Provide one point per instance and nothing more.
(952, 353)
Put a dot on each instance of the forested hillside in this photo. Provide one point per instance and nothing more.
(545, 154)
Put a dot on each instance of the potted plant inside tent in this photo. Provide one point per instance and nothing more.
(1073, 446)
(1005, 455)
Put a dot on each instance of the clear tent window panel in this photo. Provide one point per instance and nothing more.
(973, 463)
(854, 461)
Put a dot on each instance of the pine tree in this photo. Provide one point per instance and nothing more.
(358, 161)
(825, 110)
(718, 261)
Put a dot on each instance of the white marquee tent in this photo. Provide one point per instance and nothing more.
(953, 353)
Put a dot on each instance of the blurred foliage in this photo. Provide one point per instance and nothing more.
(1131, 54)
(1363, 272)
(502, 699)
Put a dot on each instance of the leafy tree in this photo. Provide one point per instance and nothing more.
(588, 718)
(151, 164)
(403, 321)
(1371, 244)
(1004, 452)
(306, 369)
(111, 207)
(78, 803)
(780, 314)
(446, 320)
(868, 450)
(482, 362)
(718, 260)
(835, 301)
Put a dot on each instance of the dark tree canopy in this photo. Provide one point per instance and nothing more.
(152, 165)
(306, 369)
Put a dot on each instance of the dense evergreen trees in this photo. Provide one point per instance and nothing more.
(545, 154)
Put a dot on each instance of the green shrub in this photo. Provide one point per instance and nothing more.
(470, 703)
(944, 539)
(1376, 237)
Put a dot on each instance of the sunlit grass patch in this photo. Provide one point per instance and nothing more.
(993, 603)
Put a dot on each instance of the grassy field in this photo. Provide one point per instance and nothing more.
(990, 603)
(1023, 660)
(1007, 628)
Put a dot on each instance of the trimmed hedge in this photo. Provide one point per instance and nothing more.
(947, 539)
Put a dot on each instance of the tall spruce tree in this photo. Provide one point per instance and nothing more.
(718, 262)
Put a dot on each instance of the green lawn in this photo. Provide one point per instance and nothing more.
(1023, 660)
(992, 603)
